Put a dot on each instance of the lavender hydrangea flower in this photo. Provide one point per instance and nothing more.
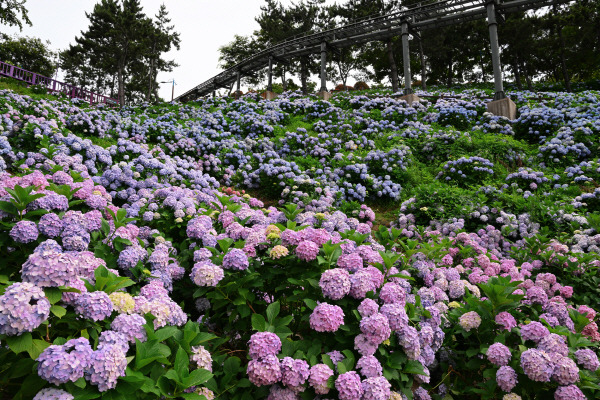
(319, 375)
(48, 267)
(367, 308)
(469, 320)
(53, 394)
(23, 307)
(408, 338)
(264, 371)
(369, 366)
(376, 328)
(396, 315)
(294, 373)
(506, 377)
(94, 305)
(376, 388)
(307, 250)
(279, 393)
(499, 354)
(392, 293)
(570, 392)
(506, 320)
(349, 386)
(537, 365)
(565, 371)
(554, 343)
(68, 362)
(236, 259)
(326, 318)
(107, 364)
(262, 344)
(131, 326)
(50, 225)
(206, 273)
(534, 331)
(24, 232)
(588, 359)
(201, 358)
(335, 283)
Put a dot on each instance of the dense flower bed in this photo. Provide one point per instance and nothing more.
(128, 272)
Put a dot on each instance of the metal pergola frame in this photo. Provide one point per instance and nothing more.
(379, 27)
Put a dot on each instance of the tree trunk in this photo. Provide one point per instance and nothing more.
(449, 72)
(527, 77)
(393, 67)
(303, 75)
(283, 81)
(151, 72)
(121, 82)
(517, 73)
(423, 68)
(563, 61)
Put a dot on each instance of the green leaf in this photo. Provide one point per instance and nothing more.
(258, 322)
(58, 311)
(53, 294)
(165, 333)
(19, 344)
(273, 311)
(37, 347)
(414, 367)
(197, 377)
(471, 352)
(182, 362)
(231, 366)
(310, 303)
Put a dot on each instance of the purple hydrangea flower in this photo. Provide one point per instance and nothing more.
(319, 374)
(94, 305)
(570, 392)
(326, 318)
(50, 225)
(279, 393)
(47, 267)
(131, 326)
(349, 386)
(262, 344)
(566, 371)
(335, 283)
(361, 283)
(376, 388)
(392, 293)
(376, 328)
(367, 308)
(23, 307)
(506, 377)
(24, 232)
(264, 371)
(534, 331)
(554, 343)
(537, 365)
(53, 394)
(68, 362)
(408, 338)
(107, 364)
(206, 273)
(364, 345)
(307, 250)
(236, 259)
(396, 315)
(588, 359)
(294, 373)
(498, 354)
(369, 366)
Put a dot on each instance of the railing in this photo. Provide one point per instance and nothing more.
(53, 86)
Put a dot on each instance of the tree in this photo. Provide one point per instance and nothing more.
(9, 10)
(121, 50)
(161, 38)
(238, 49)
(29, 53)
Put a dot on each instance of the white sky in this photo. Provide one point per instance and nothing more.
(204, 26)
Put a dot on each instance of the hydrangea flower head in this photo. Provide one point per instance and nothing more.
(469, 320)
(262, 344)
(23, 307)
(326, 318)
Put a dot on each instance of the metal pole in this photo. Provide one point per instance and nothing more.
(238, 85)
(173, 90)
(323, 65)
(406, 59)
(493, 26)
(270, 75)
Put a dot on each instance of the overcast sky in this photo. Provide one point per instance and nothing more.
(204, 26)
